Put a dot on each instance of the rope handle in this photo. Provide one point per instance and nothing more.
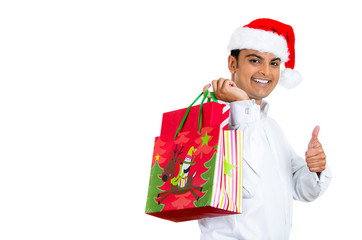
(212, 97)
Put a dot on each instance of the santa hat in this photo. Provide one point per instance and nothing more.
(190, 152)
(268, 35)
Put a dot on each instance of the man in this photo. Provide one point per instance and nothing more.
(272, 173)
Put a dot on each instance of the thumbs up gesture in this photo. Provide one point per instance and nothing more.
(315, 157)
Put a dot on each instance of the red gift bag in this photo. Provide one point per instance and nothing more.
(196, 167)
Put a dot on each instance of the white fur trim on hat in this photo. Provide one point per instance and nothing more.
(290, 78)
(260, 40)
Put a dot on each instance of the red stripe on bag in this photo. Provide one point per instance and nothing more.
(225, 117)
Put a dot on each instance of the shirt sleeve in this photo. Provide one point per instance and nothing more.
(243, 113)
(243, 116)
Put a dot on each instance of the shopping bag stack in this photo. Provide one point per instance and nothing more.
(196, 169)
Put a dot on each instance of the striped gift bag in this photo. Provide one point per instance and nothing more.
(227, 190)
(197, 172)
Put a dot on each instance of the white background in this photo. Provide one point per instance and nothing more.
(83, 85)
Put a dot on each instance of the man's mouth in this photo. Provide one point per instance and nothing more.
(261, 81)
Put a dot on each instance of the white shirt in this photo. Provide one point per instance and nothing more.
(272, 176)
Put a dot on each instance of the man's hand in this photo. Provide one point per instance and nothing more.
(315, 157)
(227, 91)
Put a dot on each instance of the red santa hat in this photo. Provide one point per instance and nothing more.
(268, 35)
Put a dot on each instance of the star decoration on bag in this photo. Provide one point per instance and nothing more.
(228, 167)
(205, 140)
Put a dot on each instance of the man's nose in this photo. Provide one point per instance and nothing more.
(265, 69)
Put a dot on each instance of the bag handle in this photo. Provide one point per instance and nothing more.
(200, 113)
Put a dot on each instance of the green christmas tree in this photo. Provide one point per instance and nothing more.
(153, 189)
(207, 186)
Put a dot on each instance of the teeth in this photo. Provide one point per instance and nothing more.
(260, 81)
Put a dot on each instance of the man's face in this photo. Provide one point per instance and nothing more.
(257, 73)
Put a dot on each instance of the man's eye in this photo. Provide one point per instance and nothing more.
(254, 60)
(275, 64)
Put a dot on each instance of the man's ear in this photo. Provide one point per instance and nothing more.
(232, 64)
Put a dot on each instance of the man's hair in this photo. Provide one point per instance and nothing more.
(235, 54)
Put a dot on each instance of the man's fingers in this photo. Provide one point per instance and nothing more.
(315, 133)
(314, 152)
(319, 158)
(317, 169)
(314, 140)
(206, 87)
(214, 85)
(227, 91)
(232, 83)
(316, 164)
(319, 164)
(220, 83)
(229, 83)
(218, 86)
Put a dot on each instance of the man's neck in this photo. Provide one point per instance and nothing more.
(258, 101)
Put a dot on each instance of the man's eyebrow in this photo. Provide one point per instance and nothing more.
(254, 55)
(261, 58)
(275, 59)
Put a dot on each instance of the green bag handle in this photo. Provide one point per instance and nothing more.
(200, 113)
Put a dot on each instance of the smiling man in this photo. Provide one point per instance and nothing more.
(272, 173)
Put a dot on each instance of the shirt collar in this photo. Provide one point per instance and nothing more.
(264, 108)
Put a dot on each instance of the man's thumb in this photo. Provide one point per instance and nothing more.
(314, 139)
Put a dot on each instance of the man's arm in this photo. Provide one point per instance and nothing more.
(311, 176)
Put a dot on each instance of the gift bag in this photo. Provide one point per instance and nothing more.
(196, 169)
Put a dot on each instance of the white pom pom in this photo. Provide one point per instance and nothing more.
(290, 78)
